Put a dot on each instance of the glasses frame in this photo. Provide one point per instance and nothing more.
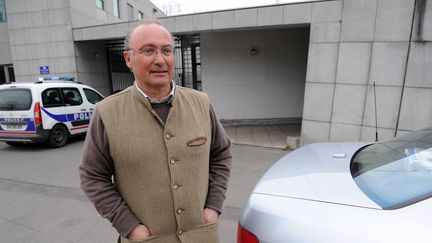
(153, 52)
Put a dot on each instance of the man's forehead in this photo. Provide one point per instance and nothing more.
(150, 34)
(149, 30)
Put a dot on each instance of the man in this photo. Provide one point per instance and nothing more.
(156, 160)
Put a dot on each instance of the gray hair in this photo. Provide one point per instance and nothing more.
(143, 22)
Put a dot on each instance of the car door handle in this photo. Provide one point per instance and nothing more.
(83, 109)
(91, 109)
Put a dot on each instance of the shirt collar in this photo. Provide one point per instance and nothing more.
(167, 98)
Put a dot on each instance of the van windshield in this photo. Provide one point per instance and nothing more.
(15, 100)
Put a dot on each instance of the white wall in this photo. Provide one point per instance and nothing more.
(360, 43)
(268, 85)
(92, 65)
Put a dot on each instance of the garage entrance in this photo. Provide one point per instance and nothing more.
(256, 76)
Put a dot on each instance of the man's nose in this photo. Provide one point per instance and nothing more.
(159, 57)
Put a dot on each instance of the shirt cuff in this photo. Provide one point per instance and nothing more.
(125, 224)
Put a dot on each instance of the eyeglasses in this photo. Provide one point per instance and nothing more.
(151, 51)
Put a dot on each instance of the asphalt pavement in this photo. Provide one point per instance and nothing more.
(41, 200)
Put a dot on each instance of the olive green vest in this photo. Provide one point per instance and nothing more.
(162, 170)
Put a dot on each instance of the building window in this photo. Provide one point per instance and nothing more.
(140, 15)
(11, 73)
(7, 74)
(2, 11)
(100, 4)
(2, 76)
(116, 8)
(130, 12)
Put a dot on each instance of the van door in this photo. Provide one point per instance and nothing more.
(53, 108)
(78, 113)
(92, 97)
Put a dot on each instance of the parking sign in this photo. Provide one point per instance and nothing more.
(44, 69)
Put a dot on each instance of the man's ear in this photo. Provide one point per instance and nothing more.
(126, 56)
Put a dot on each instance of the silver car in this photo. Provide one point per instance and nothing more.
(345, 192)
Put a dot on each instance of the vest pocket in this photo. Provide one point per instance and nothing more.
(208, 233)
(198, 141)
(198, 145)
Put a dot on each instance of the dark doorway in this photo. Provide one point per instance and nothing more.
(121, 76)
(188, 61)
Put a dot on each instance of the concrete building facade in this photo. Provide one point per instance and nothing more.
(314, 62)
(39, 33)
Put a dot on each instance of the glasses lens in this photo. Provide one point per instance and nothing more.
(167, 51)
(148, 51)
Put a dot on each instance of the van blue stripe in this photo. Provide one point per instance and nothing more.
(60, 118)
(69, 117)
(30, 124)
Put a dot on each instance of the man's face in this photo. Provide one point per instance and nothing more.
(154, 71)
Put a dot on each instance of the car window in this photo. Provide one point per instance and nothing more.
(52, 98)
(71, 96)
(396, 173)
(15, 99)
(92, 96)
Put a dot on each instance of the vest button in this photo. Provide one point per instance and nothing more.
(179, 211)
(175, 187)
(180, 232)
(167, 136)
(172, 161)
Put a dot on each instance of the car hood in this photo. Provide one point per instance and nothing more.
(318, 172)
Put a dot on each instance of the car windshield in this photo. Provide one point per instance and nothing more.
(15, 99)
(396, 173)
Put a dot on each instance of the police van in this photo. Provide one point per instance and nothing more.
(50, 110)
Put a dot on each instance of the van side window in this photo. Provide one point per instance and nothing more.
(92, 96)
(51, 98)
(71, 96)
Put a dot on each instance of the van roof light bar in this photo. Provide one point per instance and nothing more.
(57, 79)
(62, 78)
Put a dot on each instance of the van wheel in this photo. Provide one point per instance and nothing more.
(15, 144)
(58, 136)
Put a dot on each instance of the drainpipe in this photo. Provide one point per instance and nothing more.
(422, 2)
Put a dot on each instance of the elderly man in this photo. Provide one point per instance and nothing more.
(156, 160)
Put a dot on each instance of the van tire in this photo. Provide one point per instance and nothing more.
(58, 136)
